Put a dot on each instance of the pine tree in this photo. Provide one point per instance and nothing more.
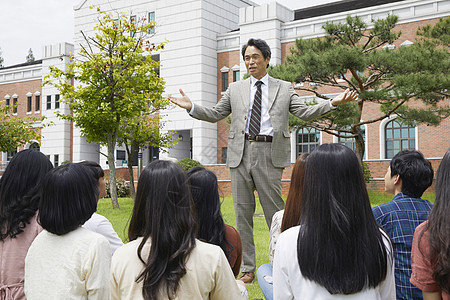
(411, 81)
(30, 56)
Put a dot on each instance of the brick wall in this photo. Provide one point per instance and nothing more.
(21, 89)
(377, 169)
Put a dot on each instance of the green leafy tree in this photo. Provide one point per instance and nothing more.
(30, 56)
(141, 132)
(115, 82)
(351, 55)
(16, 131)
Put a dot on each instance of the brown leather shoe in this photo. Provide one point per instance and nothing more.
(247, 277)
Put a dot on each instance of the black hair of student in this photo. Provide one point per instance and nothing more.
(340, 245)
(163, 212)
(205, 193)
(94, 167)
(439, 226)
(20, 191)
(69, 196)
(415, 171)
(261, 45)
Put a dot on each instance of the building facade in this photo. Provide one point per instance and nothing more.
(202, 57)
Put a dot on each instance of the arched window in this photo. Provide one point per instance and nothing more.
(398, 137)
(308, 139)
(350, 141)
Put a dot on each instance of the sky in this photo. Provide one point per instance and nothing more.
(33, 24)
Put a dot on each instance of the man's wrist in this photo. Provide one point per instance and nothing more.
(331, 104)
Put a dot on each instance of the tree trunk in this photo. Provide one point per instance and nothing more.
(130, 168)
(111, 144)
(359, 146)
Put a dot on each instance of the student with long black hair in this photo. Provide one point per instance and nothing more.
(163, 259)
(338, 251)
(430, 256)
(210, 225)
(19, 200)
(66, 261)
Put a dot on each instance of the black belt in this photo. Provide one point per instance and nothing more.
(259, 138)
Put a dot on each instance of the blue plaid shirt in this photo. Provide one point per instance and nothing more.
(399, 218)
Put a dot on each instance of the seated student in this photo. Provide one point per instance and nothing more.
(338, 251)
(430, 256)
(66, 261)
(20, 188)
(210, 225)
(98, 223)
(409, 174)
(163, 259)
(281, 221)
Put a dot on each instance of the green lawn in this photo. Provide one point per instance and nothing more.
(121, 218)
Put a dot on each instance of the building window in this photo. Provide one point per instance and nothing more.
(56, 160)
(15, 105)
(224, 81)
(151, 18)
(154, 153)
(38, 102)
(56, 101)
(49, 102)
(8, 102)
(133, 23)
(10, 155)
(308, 139)
(350, 141)
(236, 75)
(224, 155)
(29, 104)
(120, 155)
(398, 137)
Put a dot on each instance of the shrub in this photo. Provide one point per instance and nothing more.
(367, 175)
(123, 188)
(188, 163)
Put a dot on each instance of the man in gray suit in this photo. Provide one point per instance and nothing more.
(259, 140)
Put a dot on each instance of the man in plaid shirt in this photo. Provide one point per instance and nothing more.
(408, 176)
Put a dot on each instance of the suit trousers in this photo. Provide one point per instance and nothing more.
(255, 171)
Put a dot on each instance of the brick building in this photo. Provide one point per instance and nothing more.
(204, 58)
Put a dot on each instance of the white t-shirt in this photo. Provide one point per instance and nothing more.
(74, 265)
(100, 224)
(288, 282)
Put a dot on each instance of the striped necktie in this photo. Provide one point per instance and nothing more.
(255, 118)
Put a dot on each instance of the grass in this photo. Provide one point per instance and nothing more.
(120, 220)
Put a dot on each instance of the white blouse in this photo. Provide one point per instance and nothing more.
(288, 282)
(74, 265)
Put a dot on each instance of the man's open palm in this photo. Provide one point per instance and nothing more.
(183, 101)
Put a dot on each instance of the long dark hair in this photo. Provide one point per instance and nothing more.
(205, 193)
(19, 191)
(291, 215)
(163, 212)
(439, 226)
(340, 245)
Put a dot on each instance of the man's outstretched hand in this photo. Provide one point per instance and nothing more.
(183, 101)
(344, 97)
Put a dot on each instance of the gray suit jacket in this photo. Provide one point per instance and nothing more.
(282, 100)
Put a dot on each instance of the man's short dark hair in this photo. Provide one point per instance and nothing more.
(415, 171)
(69, 196)
(260, 44)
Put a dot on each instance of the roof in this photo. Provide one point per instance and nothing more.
(337, 7)
(36, 62)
